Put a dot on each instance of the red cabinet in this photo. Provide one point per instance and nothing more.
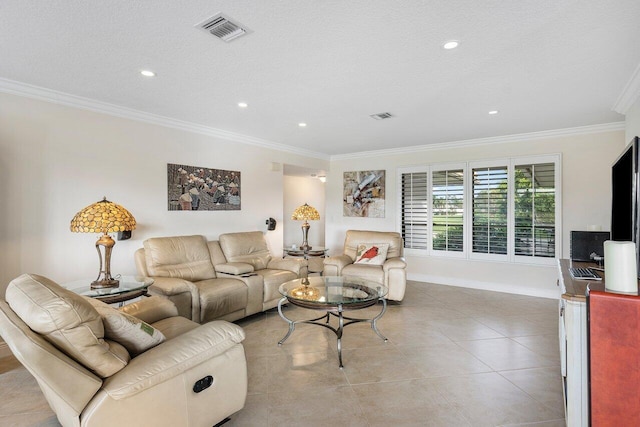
(614, 359)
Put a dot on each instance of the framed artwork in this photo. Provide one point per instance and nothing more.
(363, 194)
(193, 188)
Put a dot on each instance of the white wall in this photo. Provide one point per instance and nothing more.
(586, 199)
(55, 160)
(298, 191)
(632, 121)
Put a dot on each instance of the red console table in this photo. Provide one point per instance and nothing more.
(614, 364)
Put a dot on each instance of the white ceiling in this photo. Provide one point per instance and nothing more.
(544, 64)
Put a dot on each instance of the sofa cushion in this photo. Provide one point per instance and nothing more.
(172, 327)
(185, 257)
(235, 268)
(248, 247)
(134, 334)
(67, 320)
(371, 253)
(374, 273)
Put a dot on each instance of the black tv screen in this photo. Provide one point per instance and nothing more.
(623, 199)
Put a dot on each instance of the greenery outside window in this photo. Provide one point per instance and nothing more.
(534, 210)
(447, 210)
(489, 210)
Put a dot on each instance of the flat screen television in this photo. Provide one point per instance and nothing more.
(625, 196)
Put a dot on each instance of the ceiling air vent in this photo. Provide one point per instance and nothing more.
(381, 116)
(223, 27)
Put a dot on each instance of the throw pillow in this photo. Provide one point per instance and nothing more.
(371, 253)
(129, 331)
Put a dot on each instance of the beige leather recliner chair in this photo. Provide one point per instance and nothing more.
(89, 380)
(392, 272)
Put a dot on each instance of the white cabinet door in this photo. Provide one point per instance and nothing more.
(576, 363)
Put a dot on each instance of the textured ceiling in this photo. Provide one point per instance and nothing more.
(544, 64)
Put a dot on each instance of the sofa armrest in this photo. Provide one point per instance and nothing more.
(290, 264)
(173, 357)
(234, 268)
(151, 309)
(396, 262)
(179, 290)
(168, 286)
(333, 265)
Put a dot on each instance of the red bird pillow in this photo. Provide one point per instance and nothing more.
(371, 253)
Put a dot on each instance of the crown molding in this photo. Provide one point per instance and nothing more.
(30, 91)
(630, 93)
(48, 95)
(531, 136)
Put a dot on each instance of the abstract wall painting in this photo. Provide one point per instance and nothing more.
(363, 194)
(193, 188)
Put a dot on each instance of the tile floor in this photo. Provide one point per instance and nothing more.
(455, 357)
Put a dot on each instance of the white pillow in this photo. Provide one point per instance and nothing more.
(371, 253)
(129, 331)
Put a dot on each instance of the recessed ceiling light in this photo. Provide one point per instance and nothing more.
(243, 104)
(492, 112)
(302, 125)
(451, 44)
(147, 73)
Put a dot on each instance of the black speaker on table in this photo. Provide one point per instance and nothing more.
(585, 243)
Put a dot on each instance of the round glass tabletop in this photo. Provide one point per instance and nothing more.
(331, 291)
(127, 284)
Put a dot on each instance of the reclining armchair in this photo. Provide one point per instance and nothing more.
(375, 256)
(192, 375)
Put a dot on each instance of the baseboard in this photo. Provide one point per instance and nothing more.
(486, 286)
(4, 349)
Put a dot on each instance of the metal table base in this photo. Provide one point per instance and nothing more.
(338, 312)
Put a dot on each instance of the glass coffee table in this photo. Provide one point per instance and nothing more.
(334, 295)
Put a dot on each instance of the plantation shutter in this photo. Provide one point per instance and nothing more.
(534, 203)
(414, 210)
(447, 210)
(489, 210)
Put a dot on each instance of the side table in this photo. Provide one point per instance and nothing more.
(130, 287)
(315, 252)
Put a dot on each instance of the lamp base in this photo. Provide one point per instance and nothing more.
(107, 283)
(305, 237)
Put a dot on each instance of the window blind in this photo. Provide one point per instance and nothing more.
(414, 210)
(447, 210)
(489, 210)
(534, 205)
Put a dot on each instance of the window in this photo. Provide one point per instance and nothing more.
(489, 211)
(447, 219)
(504, 210)
(414, 204)
(534, 210)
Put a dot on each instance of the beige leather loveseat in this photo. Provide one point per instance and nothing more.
(97, 366)
(227, 279)
(372, 255)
